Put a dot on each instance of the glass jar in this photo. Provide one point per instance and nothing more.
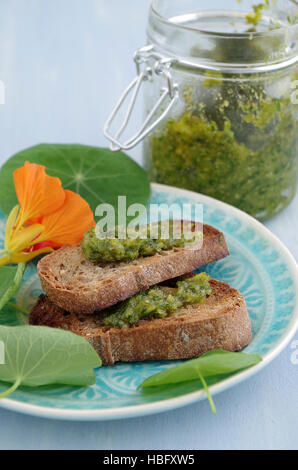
(225, 83)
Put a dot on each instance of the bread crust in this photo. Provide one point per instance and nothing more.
(75, 284)
(222, 322)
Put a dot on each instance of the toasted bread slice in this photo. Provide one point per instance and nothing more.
(222, 322)
(77, 285)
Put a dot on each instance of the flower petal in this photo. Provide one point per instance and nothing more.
(25, 257)
(24, 238)
(38, 194)
(5, 259)
(68, 224)
(12, 218)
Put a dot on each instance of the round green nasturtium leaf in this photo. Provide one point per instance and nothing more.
(97, 174)
(38, 355)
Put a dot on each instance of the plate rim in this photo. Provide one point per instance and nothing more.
(188, 398)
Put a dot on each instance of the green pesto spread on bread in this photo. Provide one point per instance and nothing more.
(106, 248)
(158, 303)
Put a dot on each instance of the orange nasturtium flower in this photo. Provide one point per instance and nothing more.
(47, 216)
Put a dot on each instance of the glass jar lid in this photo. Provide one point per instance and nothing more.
(247, 36)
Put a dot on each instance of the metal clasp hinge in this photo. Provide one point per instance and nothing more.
(145, 72)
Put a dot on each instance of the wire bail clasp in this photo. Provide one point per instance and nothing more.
(145, 72)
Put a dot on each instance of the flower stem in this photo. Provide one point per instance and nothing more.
(11, 389)
(14, 286)
(18, 307)
(211, 402)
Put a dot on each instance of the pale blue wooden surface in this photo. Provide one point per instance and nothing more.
(63, 63)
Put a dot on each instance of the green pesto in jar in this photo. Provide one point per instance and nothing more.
(107, 250)
(234, 142)
(158, 303)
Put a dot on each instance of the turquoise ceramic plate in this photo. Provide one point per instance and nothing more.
(259, 266)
